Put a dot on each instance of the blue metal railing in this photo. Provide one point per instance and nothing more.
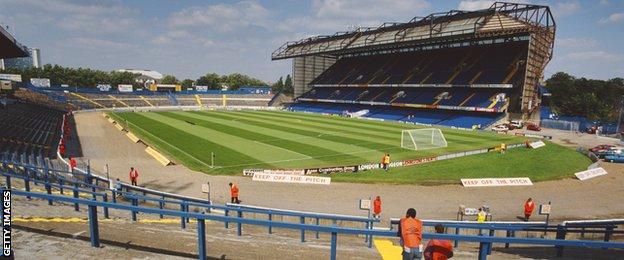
(485, 241)
(100, 199)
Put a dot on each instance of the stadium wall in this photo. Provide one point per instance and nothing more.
(306, 69)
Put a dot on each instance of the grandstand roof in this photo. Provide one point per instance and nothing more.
(10, 47)
(500, 19)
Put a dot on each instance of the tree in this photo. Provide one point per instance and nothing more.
(187, 83)
(278, 86)
(79, 77)
(288, 85)
(169, 79)
(590, 98)
(212, 80)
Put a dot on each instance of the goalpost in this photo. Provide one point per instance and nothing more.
(422, 139)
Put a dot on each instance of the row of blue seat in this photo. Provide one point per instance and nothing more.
(412, 115)
(457, 96)
(495, 64)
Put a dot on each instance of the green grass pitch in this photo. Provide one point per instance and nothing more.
(280, 139)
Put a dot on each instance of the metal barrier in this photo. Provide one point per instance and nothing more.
(39, 176)
(485, 241)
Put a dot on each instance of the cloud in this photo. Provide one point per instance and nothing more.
(566, 8)
(329, 16)
(471, 5)
(605, 2)
(612, 19)
(364, 9)
(223, 17)
(576, 43)
(99, 44)
(86, 7)
(594, 56)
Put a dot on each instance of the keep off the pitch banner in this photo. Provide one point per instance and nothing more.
(291, 178)
(491, 182)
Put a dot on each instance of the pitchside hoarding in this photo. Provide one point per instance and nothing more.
(11, 77)
(40, 82)
(289, 178)
(493, 182)
(124, 88)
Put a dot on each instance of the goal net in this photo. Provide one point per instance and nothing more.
(421, 139)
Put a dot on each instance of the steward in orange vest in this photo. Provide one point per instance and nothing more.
(234, 194)
(529, 206)
(377, 207)
(385, 162)
(410, 231)
(438, 249)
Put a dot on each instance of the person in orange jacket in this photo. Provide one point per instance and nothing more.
(377, 208)
(134, 176)
(438, 249)
(234, 194)
(410, 231)
(385, 162)
(529, 206)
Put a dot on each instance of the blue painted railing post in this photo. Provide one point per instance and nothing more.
(239, 226)
(134, 213)
(201, 238)
(114, 194)
(61, 188)
(270, 227)
(484, 247)
(94, 232)
(508, 235)
(608, 232)
(27, 184)
(160, 206)
(227, 213)
(302, 221)
(334, 241)
(182, 220)
(318, 222)
(49, 191)
(490, 247)
(457, 233)
(105, 199)
(76, 206)
(370, 238)
(561, 234)
(47, 184)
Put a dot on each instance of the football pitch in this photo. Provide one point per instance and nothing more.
(289, 140)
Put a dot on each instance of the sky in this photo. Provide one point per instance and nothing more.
(188, 39)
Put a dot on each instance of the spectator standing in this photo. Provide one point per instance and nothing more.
(118, 186)
(529, 206)
(410, 231)
(134, 176)
(377, 208)
(234, 194)
(385, 162)
(481, 216)
(438, 249)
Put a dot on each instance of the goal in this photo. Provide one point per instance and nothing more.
(421, 139)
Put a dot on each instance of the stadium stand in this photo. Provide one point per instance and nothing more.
(460, 68)
(105, 100)
(30, 129)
